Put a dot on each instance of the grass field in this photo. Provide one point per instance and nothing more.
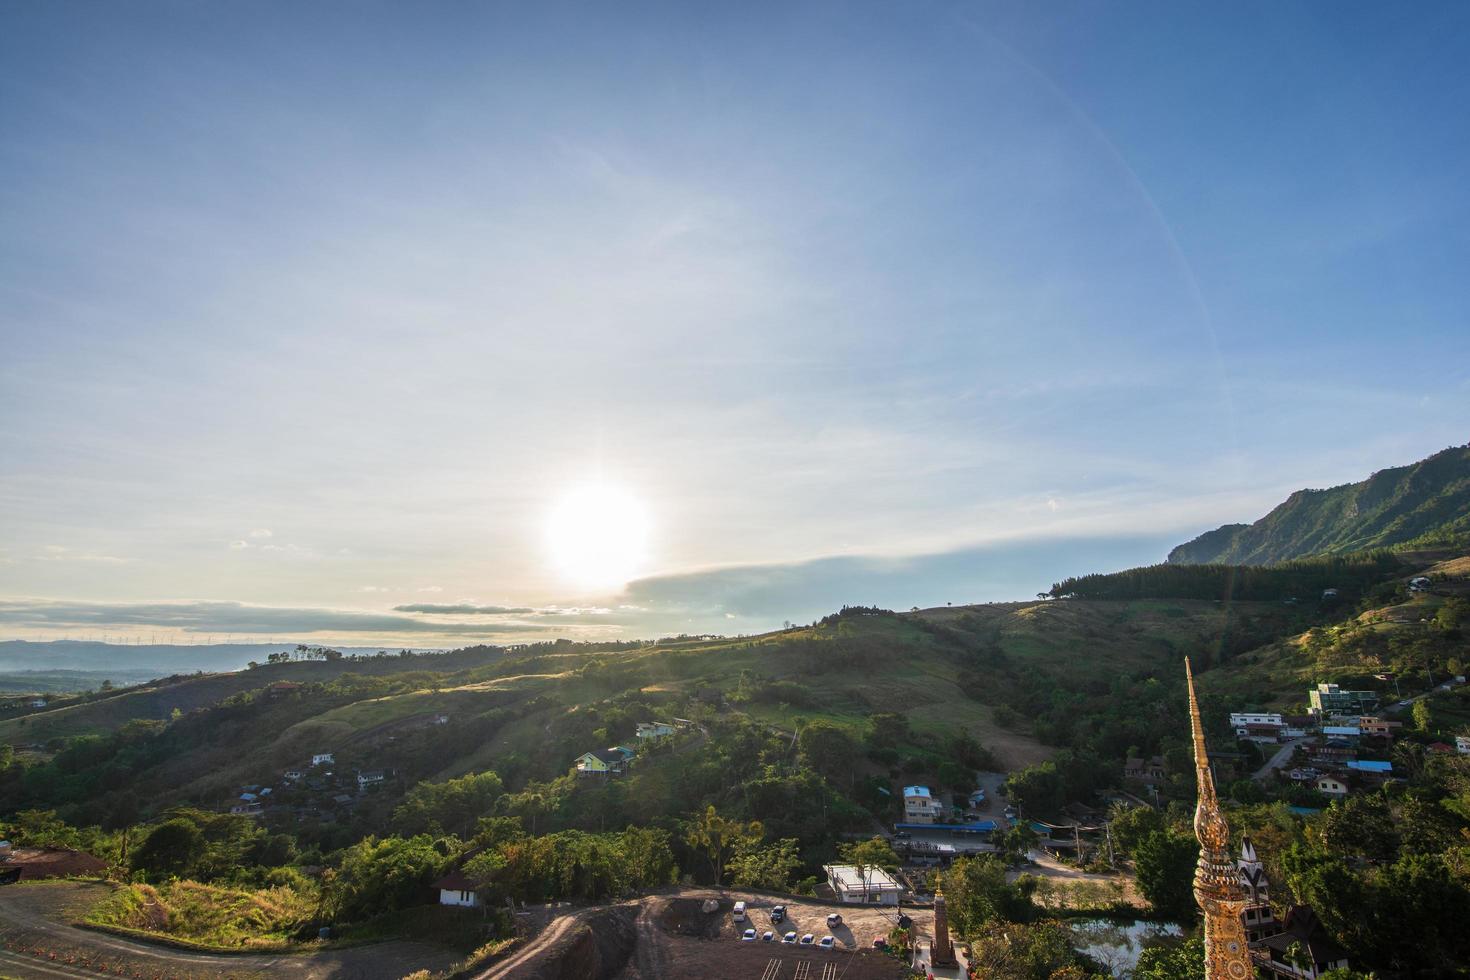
(207, 915)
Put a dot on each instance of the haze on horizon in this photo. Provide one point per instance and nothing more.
(442, 323)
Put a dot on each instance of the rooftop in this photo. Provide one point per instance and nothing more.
(848, 876)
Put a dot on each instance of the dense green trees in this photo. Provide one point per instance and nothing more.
(1042, 951)
(376, 875)
(575, 865)
(756, 864)
(1164, 862)
(171, 848)
(1183, 960)
(978, 894)
(449, 807)
(716, 838)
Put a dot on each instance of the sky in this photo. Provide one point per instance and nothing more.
(444, 322)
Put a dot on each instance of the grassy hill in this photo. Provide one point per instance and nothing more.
(158, 699)
(1024, 680)
(1424, 503)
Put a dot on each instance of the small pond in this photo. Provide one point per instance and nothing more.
(1117, 943)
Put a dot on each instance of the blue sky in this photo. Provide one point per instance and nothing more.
(313, 311)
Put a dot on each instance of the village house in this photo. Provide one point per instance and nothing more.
(248, 808)
(1272, 940)
(1258, 726)
(457, 889)
(919, 806)
(369, 778)
(1374, 726)
(1462, 744)
(323, 759)
(861, 886)
(1331, 786)
(1151, 770)
(611, 761)
(654, 729)
(1334, 751)
(1301, 930)
(293, 775)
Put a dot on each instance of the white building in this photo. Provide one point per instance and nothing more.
(919, 806)
(1462, 744)
(654, 729)
(457, 889)
(1332, 786)
(323, 759)
(861, 886)
(1258, 726)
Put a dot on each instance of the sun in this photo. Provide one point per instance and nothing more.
(597, 536)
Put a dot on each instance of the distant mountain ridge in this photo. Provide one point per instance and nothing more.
(1425, 503)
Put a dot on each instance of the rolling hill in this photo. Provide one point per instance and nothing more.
(1423, 504)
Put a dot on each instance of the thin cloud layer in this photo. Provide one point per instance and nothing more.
(446, 609)
(230, 617)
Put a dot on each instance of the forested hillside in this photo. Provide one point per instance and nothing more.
(1421, 505)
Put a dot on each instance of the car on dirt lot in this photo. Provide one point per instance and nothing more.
(778, 912)
(827, 942)
(808, 939)
(767, 936)
(748, 936)
(833, 920)
(789, 938)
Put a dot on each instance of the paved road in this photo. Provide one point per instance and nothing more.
(35, 925)
(1281, 758)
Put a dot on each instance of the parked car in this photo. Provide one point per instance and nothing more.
(748, 936)
(778, 912)
(834, 919)
(789, 938)
(827, 942)
(767, 936)
(739, 911)
(808, 939)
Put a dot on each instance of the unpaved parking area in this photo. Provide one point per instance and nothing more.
(861, 924)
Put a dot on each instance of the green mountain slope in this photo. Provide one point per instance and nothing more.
(1424, 503)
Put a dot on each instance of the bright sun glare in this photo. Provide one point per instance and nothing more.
(598, 537)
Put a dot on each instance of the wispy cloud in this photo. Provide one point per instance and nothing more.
(58, 553)
(445, 609)
(233, 617)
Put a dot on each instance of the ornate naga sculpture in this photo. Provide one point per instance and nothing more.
(1216, 879)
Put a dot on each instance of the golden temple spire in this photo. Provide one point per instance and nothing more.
(1216, 879)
